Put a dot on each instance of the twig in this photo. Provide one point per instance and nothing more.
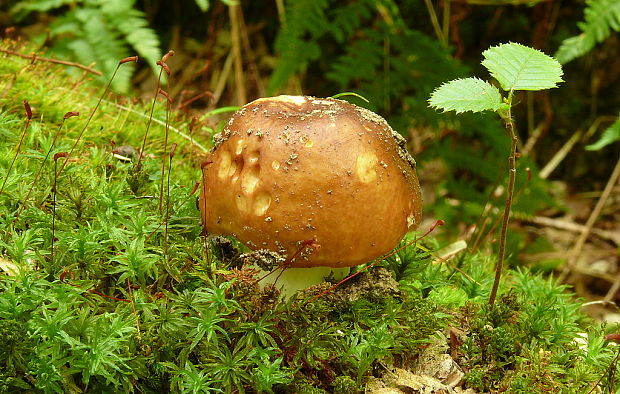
(563, 152)
(578, 246)
(560, 155)
(572, 226)
(281, 11)
(233, 13)
(221, 82)
(446, 19)
(435, 22)
(34, 57)
(534, 136)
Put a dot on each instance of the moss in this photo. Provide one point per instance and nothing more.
(15, 347)
(307, 388)
(345, 385)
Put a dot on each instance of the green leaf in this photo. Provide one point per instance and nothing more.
(468, 94)
(610, 135)
(203, 5)
(601, 17)
(575, 47)
(517, 67)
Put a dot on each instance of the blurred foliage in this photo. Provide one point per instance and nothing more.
(99, 31)
(600, 18)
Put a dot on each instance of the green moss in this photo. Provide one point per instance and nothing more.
(345, 385)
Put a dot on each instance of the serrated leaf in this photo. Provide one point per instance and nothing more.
(609, 136)
(518, 67)
(468, 94)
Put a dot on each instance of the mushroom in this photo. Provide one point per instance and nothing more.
(290, 169)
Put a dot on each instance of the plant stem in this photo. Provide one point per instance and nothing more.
(36, 177)
(54, 211)
(235, 16)
(133, 308)
(34, 57)
(138, 165)
(512, 170)
(435, 22)
(172, 150)
(90, 117)
(19, 144)
(163, 162)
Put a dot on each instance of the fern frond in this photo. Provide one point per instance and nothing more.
(609, 136)
(404, 74)
(99, 31)
(362, 59)
(303, 18)
(348, 19)
(574, 47)
(133, 27)
(601, 17)
(92, 39)
(23, 8)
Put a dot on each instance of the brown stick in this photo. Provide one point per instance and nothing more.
(34, 57)
(585, 232)
(234, 12)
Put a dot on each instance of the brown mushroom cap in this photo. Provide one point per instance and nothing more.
(288, 169)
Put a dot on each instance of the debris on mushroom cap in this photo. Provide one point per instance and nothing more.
(289, 169)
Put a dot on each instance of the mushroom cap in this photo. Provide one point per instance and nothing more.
(289, 169)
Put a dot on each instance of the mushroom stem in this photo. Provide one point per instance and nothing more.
(393, 252)
(310, 243)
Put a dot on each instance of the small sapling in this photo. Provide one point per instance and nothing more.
(515, 67)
